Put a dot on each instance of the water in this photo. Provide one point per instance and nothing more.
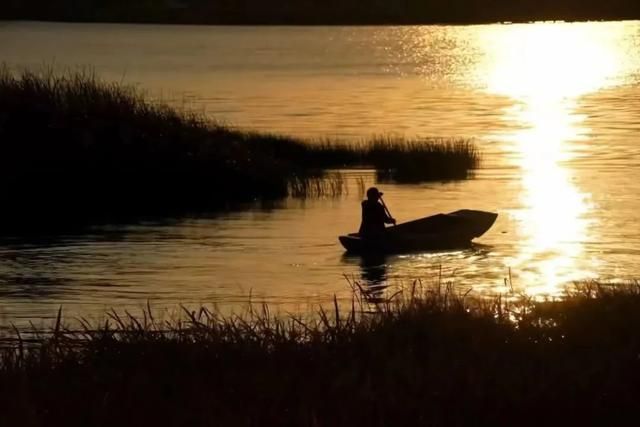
(553, 108)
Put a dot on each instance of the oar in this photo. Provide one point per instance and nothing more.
(386, 209)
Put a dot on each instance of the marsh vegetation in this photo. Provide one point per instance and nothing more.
(423, 353)
(75, 148)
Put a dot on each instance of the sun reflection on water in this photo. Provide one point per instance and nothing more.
(554, 211)
(544, 69)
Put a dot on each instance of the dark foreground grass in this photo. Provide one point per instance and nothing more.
(74, 148)
(433, 359)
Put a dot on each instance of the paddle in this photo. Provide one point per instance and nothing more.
(386, 209)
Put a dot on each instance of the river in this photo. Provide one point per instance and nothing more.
(553, 107)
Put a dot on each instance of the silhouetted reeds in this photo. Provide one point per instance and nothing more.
(328, 185)
(425, 356)
(74, 148)
(399, 159)
(423, 160)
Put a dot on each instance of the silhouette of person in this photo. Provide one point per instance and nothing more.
(374, 214)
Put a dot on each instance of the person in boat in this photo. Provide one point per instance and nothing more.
(374, 214)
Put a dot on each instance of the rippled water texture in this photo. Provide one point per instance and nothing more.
(554, 108)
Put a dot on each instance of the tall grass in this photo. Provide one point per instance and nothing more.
(403, 160)
(328, 185)
(74, 147)
(436, 159)
(427, 356)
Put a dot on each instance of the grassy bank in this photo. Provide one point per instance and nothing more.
(430, 358)
(74, 148)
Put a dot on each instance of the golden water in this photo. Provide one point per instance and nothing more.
(554, 108)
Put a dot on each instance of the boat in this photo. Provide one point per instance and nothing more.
(437, 232)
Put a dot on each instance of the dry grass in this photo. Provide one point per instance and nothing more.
(424, 354)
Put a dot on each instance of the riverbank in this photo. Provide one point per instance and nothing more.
(427, 357)
(77, 149)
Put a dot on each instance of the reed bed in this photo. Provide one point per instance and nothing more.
(423, 160)
(76, 148)
(332, 184)
(398, 159)
(425, 355)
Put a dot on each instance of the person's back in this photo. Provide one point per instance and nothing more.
(374, 215)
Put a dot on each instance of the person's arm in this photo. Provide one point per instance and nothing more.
(387, 219)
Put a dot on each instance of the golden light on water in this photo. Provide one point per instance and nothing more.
(553, 218)
(548, 62)
(544, 69)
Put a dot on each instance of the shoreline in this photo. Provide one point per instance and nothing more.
(427, 354)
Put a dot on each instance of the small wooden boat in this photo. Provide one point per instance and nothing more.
(443, 231)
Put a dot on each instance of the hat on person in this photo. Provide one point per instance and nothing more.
(373, 192)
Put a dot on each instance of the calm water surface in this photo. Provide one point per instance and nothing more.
(555, 109)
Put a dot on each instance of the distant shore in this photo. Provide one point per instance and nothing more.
(294, 23)
(291, 12)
